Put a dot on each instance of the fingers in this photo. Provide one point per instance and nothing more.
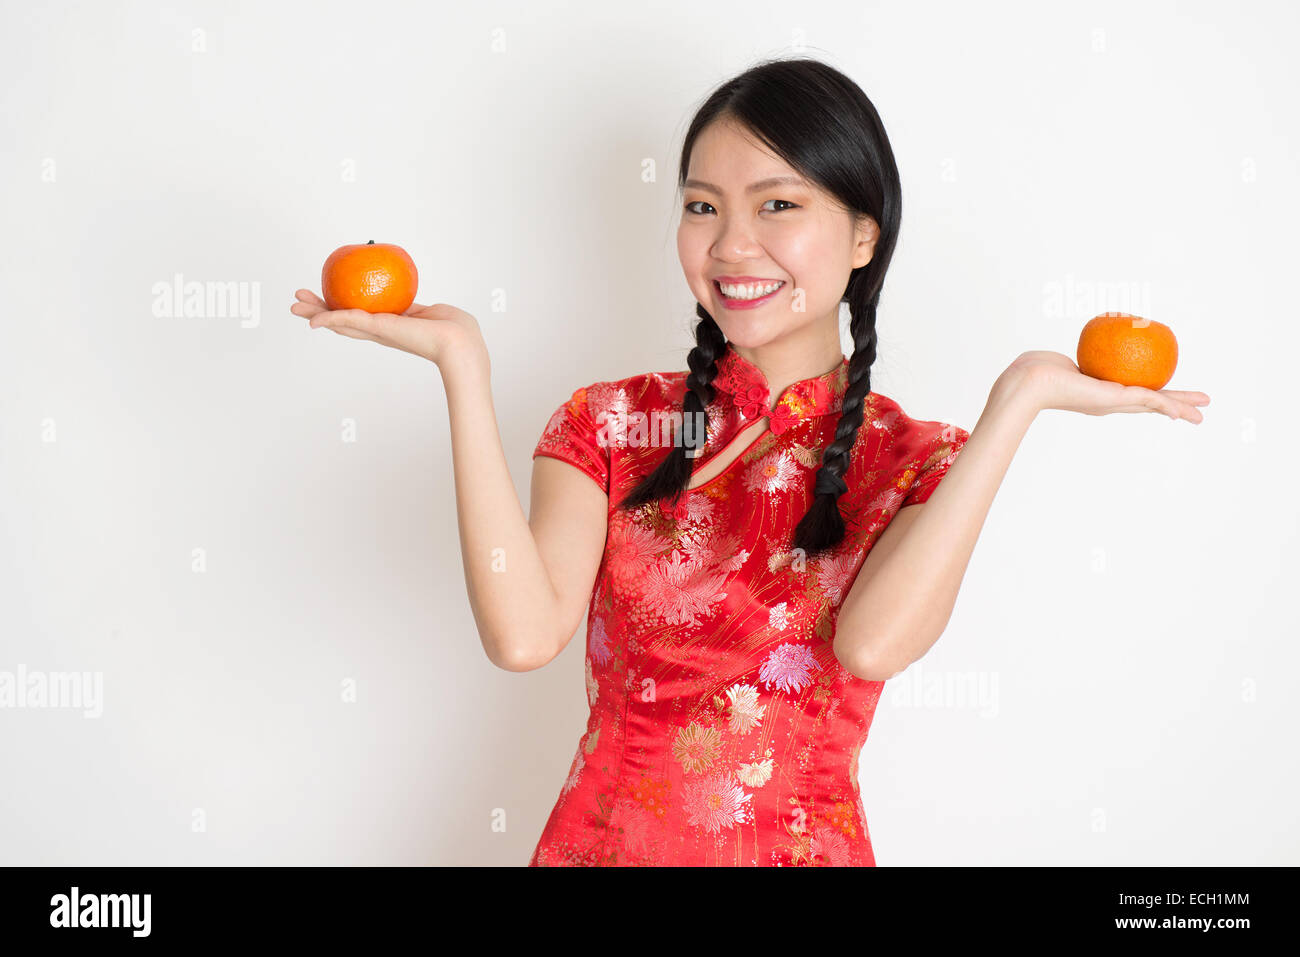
(354, 333)
(1178, 410)
(1182, 410)
(1184, 404)
(308, 304)
(341, 322)
(353, 323)
(338, 319)
(305, 309)
(1173, 403)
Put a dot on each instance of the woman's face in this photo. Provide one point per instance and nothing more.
(788, 232)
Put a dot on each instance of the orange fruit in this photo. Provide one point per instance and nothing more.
(1118, 347)
(376, 277)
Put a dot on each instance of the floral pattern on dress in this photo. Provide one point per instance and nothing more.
(722, 730)
(772, 473)
(682, 590)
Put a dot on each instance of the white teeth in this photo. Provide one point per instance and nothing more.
(750, 291)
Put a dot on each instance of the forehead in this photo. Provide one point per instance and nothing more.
(732, 158)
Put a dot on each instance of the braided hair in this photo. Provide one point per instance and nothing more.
(821, 123)
(822, 527)
(670, 479)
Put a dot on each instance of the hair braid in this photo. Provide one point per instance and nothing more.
(673, 473)
(822, 526)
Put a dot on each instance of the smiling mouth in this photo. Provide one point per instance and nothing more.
(748, 291)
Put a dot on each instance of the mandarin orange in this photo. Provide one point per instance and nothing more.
(376, 277)
(1127, 349)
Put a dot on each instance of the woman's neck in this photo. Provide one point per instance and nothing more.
(804, 353)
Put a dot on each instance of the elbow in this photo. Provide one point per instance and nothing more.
(872, 663)
(519, 656)
(513, 663)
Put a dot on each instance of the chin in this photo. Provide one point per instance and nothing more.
(744, 336)
(751, 335)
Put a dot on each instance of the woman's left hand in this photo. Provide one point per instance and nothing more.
(1056, 383)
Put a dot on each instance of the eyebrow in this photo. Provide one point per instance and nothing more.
(752, 187)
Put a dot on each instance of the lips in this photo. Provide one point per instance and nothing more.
(737, 303)
(760, 283)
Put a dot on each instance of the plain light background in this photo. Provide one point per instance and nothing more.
(1128, 619)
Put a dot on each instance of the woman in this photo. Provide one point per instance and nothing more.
(758, 543)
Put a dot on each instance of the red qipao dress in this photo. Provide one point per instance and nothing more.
(723, 730)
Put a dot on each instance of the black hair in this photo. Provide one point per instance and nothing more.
(821, 123)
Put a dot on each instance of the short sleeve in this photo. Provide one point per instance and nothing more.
(938, 448)
(572, 436)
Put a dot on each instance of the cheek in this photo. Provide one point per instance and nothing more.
(802, 254)
(814, 265)
(693, 254)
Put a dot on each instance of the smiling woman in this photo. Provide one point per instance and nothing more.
(723, 727)
(748, 584)
(791, 207)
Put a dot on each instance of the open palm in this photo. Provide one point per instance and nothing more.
(431, 332)
(1061, 385)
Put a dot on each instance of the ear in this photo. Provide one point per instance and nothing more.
(868, 231)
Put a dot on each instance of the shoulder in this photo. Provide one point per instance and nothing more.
(643, 392)
(899, 457)
(902, 443)
(886, 417)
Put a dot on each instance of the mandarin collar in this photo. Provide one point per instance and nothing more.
(745, 388)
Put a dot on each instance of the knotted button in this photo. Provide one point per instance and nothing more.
(781, 418)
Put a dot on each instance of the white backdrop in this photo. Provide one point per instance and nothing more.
(246, 529)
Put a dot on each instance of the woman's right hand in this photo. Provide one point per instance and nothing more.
(436, 332)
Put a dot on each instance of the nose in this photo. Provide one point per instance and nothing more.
(735, 240)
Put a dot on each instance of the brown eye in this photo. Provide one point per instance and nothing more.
(700, 202)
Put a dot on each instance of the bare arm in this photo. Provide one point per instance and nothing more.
(569, 519)
(907, 586)
(529, 582)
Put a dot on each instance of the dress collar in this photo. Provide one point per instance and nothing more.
(746, 388)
